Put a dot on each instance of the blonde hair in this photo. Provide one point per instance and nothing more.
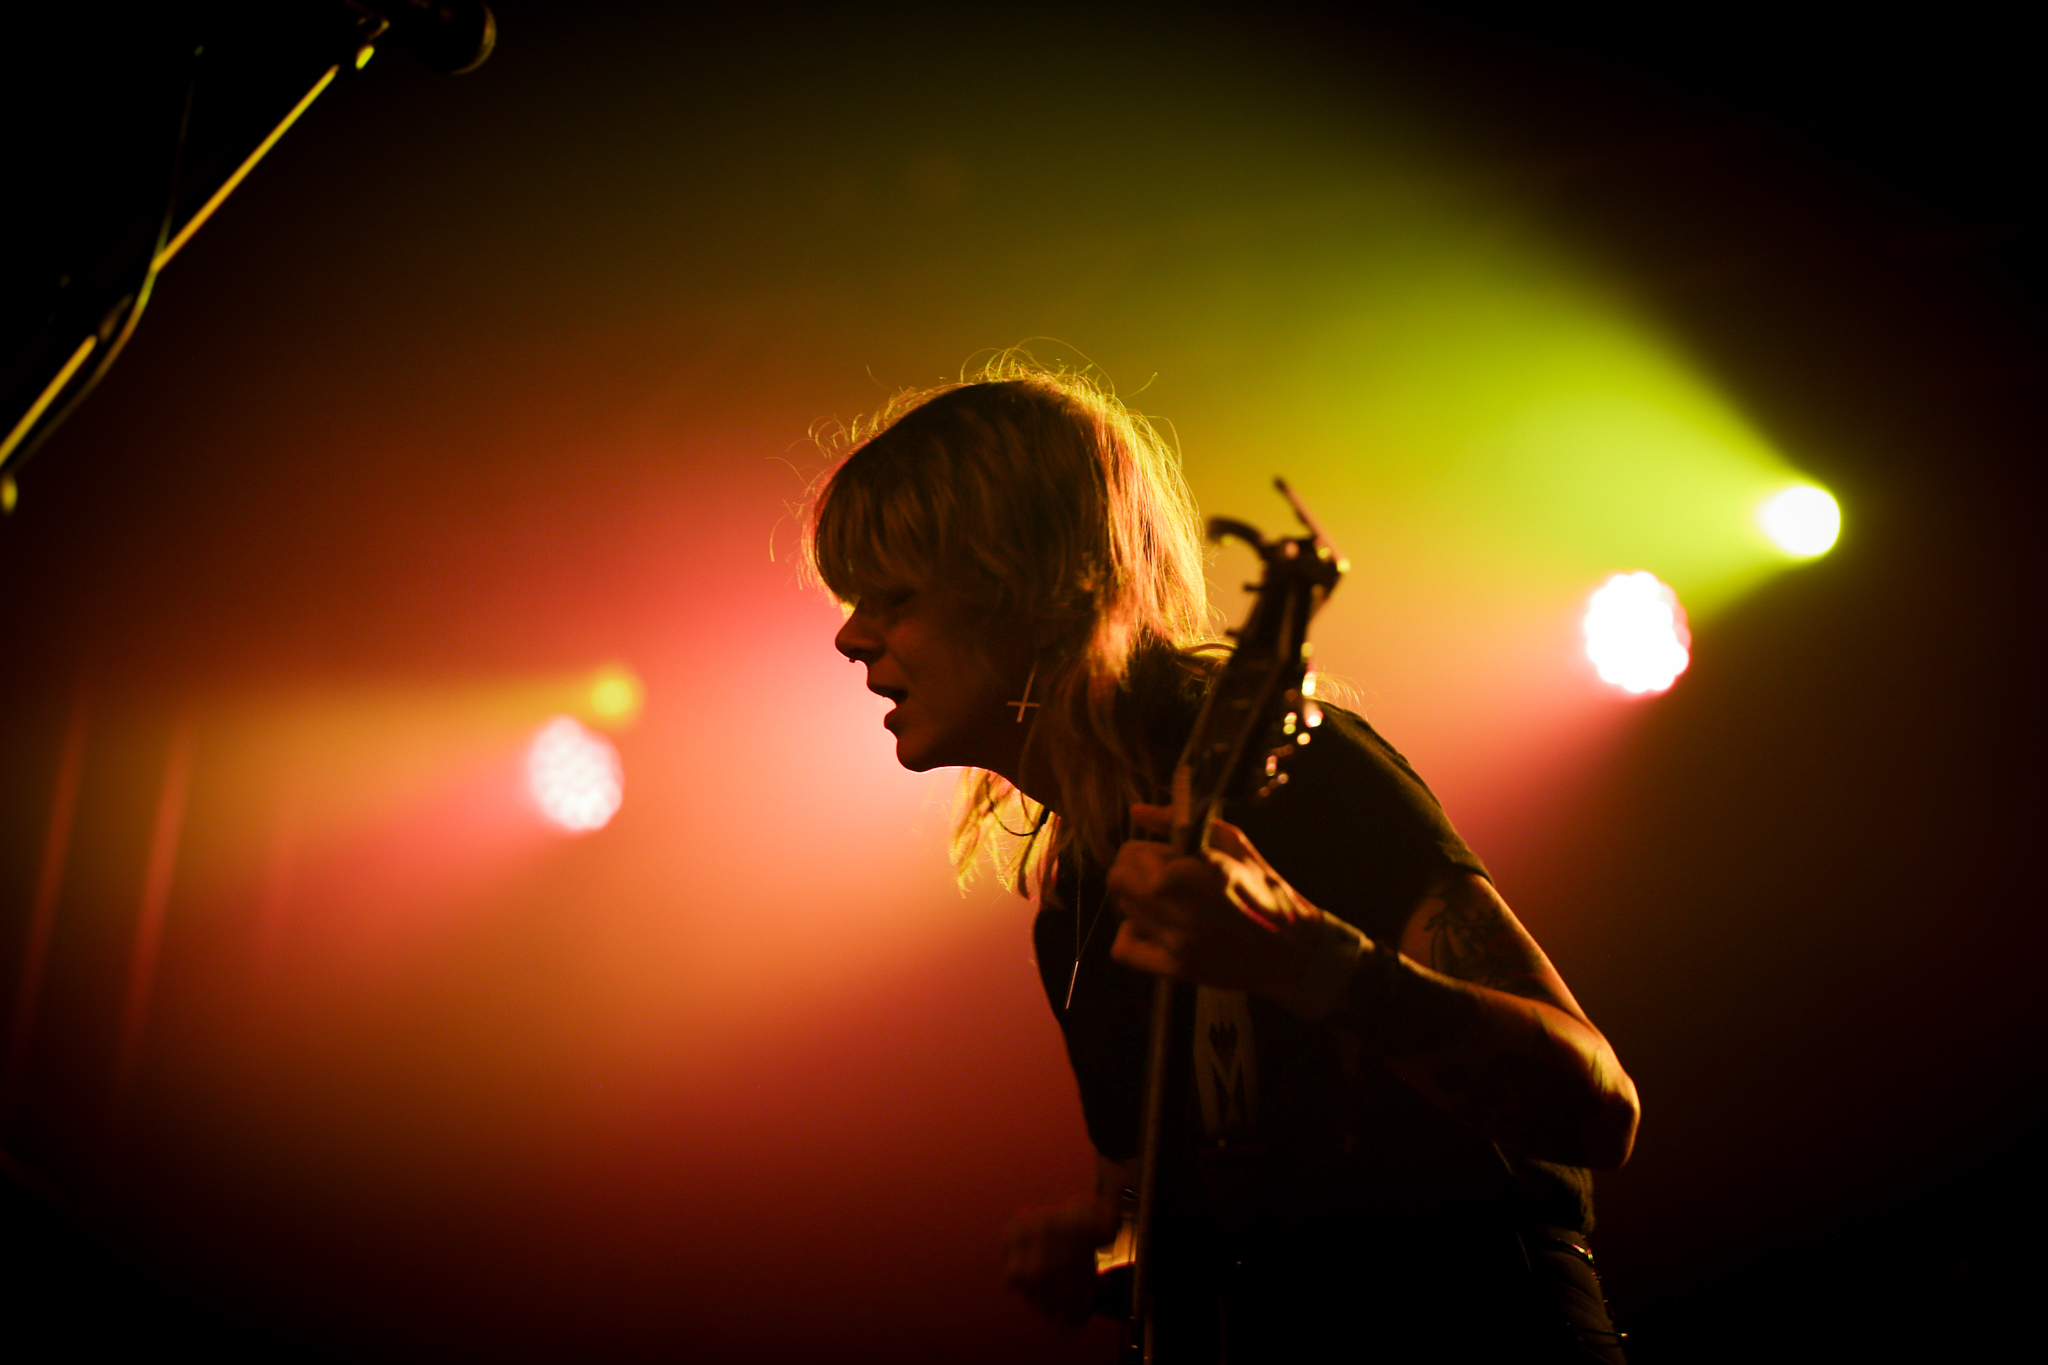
(1054, 509)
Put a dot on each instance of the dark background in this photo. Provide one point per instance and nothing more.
(1816, 845)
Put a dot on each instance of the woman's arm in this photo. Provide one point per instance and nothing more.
(1468, 1010)
(1471, 1013)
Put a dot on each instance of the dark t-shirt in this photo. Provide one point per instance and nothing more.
(1352, 1156)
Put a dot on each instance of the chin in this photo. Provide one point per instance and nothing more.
(910, 757)
(923, 760)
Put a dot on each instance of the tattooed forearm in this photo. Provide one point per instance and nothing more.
(1396, 1008)
(1523, 1081)
(1473, 1015)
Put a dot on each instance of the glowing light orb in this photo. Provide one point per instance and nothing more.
(1803, 521)
(574, 775)
(615, 695)
(1635, 633)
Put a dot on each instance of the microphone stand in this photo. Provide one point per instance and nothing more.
(117, 324)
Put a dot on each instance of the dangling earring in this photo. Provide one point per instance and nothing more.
(1025, 703)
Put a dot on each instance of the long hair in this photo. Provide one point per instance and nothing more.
(1054, 509)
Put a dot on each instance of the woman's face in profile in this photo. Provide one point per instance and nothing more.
(947, 669)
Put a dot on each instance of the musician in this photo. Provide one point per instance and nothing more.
(1382, 1153)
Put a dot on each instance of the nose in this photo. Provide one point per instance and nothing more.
(858, 639)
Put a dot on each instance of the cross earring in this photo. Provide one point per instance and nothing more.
(1025, 703)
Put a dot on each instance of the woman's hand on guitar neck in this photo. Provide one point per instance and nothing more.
(1226, 919)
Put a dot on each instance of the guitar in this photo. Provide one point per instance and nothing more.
(1260, 708)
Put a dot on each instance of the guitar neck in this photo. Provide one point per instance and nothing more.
(1224, 757)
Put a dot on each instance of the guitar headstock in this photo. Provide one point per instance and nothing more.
(1261, 706)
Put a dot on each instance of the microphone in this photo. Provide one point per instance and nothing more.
(448, 36)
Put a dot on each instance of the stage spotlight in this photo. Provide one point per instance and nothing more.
(1803, 521)
(615, 696)
(1635, 633)
(574, 775)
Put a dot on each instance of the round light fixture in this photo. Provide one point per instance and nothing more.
(574, 775)
(1636, 634)
(1803, 521)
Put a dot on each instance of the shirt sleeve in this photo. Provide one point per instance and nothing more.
(1355, 830)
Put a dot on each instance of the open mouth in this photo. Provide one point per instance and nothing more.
(893, 694)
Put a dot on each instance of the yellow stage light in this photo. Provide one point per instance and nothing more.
(1803, 521)
(615, 696)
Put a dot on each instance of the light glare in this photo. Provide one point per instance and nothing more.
(615, 696)
(1802, 521)
(1636, 634)
(574, 775)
